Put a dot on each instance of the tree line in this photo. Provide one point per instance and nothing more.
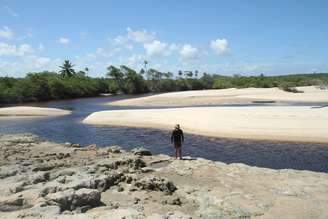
(68, 83)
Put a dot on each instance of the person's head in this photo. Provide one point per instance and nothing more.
(177, 126)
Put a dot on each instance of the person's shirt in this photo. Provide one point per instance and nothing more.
(177, 135)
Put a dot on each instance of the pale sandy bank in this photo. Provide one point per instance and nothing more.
(227, 96)
(272, 123)
(23, 111)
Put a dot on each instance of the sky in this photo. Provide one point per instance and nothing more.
(228, 37)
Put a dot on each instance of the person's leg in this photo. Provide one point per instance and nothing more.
(176, 152)
(180, 153)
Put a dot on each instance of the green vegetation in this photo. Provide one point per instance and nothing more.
(68, 83)
(48, 86)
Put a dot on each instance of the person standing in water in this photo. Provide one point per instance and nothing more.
(177, 139)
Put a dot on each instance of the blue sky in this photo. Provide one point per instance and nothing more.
(225, 37)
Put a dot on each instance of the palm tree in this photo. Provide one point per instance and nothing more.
(145, 62)
(147, 75)
(67, 69)
(86, 69)
(196, 73)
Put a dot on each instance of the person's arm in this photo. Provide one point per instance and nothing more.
(182, 136)
(172, 137)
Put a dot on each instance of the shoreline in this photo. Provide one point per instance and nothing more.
(291, 124)
(30, 111)
(227, 137)
(310, 94)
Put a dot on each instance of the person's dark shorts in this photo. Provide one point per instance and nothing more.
(177, 144)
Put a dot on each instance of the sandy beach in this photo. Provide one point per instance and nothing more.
(287, 123)
(28, 111)
(310, 94)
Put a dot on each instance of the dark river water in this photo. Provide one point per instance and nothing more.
(276, 155)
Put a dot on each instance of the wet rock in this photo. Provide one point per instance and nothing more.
(153, 183)
(141, 151)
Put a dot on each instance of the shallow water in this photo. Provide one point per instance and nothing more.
(276, 155)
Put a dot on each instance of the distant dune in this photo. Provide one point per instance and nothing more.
(22, 111)
(289, 123)
(310, 94)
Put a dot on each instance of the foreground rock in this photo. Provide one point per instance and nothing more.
(40, 179)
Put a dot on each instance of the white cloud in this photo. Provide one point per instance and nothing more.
(91, 56)
(25, 49)
(6, 33)
(28, 63)
(63, 40)
(135, 61)
(122, 41)
(40, 62)
(157, 48)
(140, 36)
(174, 47)
(189, 52)
(133, 36)
(13, 50)
(220, 46)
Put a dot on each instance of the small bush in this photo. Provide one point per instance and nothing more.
(288, 88)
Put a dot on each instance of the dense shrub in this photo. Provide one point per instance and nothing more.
(48, 86)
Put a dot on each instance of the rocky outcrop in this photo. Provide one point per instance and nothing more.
(41, 179)
(156, 184)
(71, 199)
(141, 151)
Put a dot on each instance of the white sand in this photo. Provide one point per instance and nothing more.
(27, 111)
(291, 123)
(227, 96)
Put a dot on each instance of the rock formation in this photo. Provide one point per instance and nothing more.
(42, 179)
